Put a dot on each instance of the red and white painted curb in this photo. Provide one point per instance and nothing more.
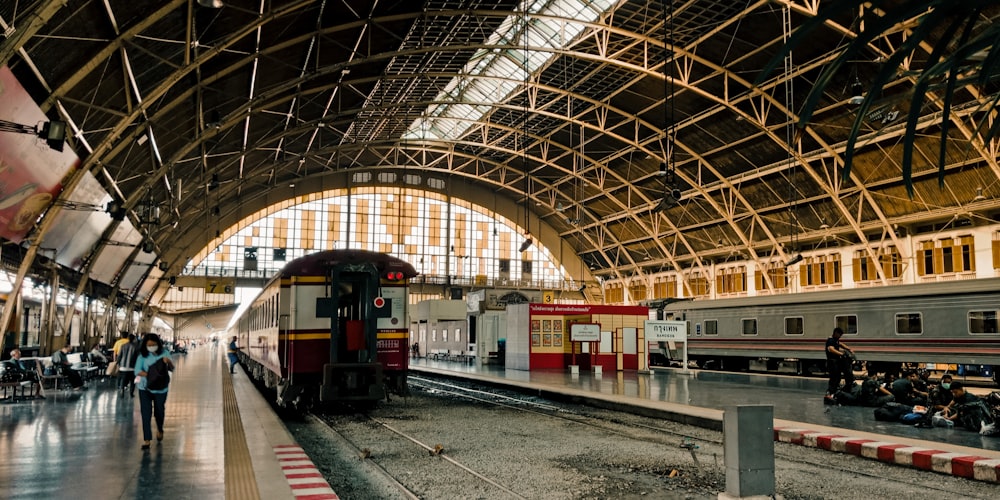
(956, 464)
(305, 479)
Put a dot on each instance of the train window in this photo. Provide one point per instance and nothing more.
(750, 326)
(711, 327)
(793, 325)
(983, 323)
(909, 324)
(847, 322)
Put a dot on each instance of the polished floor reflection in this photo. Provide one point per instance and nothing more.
(86, 444)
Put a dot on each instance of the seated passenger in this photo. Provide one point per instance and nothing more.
(24, 370)
(98, 358)
(940, 395)
(906, 392)
(967, 410)
(60, 361)
(873, 394)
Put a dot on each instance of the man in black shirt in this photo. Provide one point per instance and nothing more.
(966, 410)
(838, 363)
(906, 392)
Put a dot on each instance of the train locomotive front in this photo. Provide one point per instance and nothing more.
(331, 327)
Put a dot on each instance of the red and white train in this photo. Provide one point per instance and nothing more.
(330, 327)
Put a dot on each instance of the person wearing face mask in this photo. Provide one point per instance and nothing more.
(941, 396)
(151, 400)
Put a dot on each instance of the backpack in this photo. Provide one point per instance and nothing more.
(892, 412)
(157, 376)
(973, 416)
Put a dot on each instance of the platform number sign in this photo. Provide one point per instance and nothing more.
(223, 286)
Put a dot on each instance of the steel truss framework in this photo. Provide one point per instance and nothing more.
(215, 113)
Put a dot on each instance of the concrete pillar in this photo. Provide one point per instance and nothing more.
(748, 441)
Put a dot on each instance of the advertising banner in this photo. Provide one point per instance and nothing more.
(31, 173)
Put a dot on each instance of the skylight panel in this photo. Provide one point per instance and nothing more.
(492, 75)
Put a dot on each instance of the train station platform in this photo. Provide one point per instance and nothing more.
(699, 398)
(221, 440)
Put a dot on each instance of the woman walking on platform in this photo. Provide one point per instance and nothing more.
(152, 378)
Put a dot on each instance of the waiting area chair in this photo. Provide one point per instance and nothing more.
(43, 378)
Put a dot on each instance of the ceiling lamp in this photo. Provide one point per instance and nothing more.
(794, 260)
(527, 243)
(857, 93)
(524, 142)
(53, 132)
(211, 4)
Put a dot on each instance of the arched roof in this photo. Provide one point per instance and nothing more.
(206, 111)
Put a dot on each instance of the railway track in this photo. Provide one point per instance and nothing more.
(437, 451)
(460, 440)
(587, 419)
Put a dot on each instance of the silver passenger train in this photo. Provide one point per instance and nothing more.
(954, 322)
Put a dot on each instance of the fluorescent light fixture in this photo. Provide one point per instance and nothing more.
(794, 260)
(526, 245)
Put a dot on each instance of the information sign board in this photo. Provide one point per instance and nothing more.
(585, 332)
(666, 331)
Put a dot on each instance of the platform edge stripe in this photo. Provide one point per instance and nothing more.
(298, 474)
(304, 478)
(870, 449)
(964, 466)
(987, 470)
(809, 438)
(853, 446)
(887, 452)
(307, 480)
(328, 496)
(942, 462)
(925, 459)
(285, 446)
(789, 435)
(823, 441)
(312, 487)
(283, 463)
(312, 492)
(839, 443)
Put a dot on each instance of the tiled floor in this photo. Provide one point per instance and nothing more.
(82, 445)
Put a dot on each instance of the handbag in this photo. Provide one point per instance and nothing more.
(112, 369)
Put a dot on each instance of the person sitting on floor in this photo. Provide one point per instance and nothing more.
(60, 361)
(873, 394)
(939, 397)
(967, 410)
(906, 392)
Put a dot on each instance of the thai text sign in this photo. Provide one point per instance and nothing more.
(666, 331)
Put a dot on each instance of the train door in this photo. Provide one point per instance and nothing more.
(353, 371)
